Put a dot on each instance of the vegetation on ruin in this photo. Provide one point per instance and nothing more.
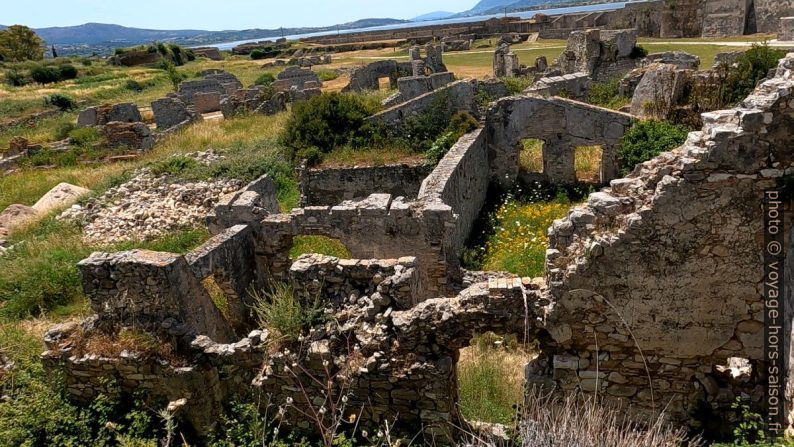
(607, 94)
(750, 68)
(647, 139)
(285, 314)
(491, 379)
(322, 245)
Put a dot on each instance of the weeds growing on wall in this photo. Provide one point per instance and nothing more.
(607, 94)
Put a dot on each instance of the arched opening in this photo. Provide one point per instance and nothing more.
(491, 378)
(587, 162)
(751, 24)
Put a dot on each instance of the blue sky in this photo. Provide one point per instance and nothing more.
(216, 14)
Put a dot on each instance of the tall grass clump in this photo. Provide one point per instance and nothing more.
(585, 420)
(282, 312)
(490, 382)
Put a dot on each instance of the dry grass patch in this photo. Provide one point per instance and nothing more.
(587, 163)
(530, 156)
(491, 381)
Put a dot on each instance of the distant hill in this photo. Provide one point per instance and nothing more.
(95, 33)
(101, 38)
(488, 5)
(437, 15)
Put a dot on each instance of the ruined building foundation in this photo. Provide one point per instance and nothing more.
(650, 287)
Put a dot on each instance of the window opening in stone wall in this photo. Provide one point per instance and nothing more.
(587, 162)
(530, 156)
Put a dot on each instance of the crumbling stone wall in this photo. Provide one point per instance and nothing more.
(101, 115)
(413, 86)
(662, 270)
(603, 54)
(577, 85)
(153, 291)
(458, 96)
(392, 358)
(332, 186)
(563, 125)
(368, 77)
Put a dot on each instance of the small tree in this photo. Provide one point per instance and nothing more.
(19, 43)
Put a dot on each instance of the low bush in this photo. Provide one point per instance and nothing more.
(607, 94)
(280, 311)
(61, 101)
(265, 79)
(173, 165)
(459, 125)
(84, 136)
(646, 140)
(134, 85)
(67, 72)
(328, 121)
(638, 52)
(311, 155)
(86, 62)
(517, 85)
(45, 75)
(258, 54)
(15, 79)
(63, 128)
(750, 68)
(327, 75)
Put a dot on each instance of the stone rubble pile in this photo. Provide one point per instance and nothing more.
(149, 206)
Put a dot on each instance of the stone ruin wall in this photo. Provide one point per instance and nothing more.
(331, 186)
(668, 260)
(641, 264)
(562, 124)
(397, 365)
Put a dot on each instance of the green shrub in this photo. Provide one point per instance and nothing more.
(173, 165)
(265, 79)
(134, 85)
(67, 72)
(60, 101)
(282, 312)
(326, 122)
(750, 68)
(174, 75)
(63, 129)
(15, 79)
(258, 54)
(607, 94)
(647, 139)
(86, 62)
(516, 86)
(311, 155)
(638, 52)
(327, 75)
(460, 124)
(45, 75)
(84, 136)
